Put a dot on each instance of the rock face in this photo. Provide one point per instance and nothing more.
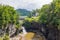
(53, 34)
(12, 29)
(50, 32)
(1, 32)
(59, 35)
(38, 37)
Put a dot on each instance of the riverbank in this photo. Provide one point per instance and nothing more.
(28, 36)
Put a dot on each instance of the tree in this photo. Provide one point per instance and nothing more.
(8, 16)
(49, 14)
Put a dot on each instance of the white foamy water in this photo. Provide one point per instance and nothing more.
(24, 30)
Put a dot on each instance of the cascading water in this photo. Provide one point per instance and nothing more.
(24, 30)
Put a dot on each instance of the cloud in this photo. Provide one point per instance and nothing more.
(26, 4)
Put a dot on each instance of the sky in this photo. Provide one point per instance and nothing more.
(25, 4)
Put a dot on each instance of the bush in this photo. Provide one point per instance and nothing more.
(6, 37)
(28, 21)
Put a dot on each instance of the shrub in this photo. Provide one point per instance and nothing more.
(6, 37)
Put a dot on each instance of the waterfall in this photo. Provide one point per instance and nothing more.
(24, 30)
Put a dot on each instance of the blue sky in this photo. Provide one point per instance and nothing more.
(25, 4)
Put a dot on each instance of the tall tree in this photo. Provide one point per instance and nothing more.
(49, 14)
(8, 16)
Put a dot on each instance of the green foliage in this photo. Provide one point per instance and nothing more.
(50, 14)
(33, 12)
(6, 37)
(43, 13)
(17, 25)
(27, 22)
(32, 19)
(23, 12)
(8, 15)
